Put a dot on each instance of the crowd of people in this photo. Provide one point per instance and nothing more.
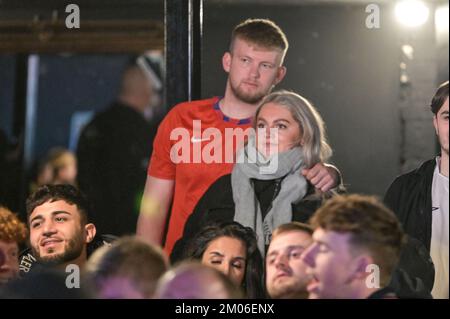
(275, 221)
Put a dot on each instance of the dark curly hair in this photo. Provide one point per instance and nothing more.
(51, 193)
(254, 273)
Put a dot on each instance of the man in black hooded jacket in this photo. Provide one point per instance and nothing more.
(420, 200)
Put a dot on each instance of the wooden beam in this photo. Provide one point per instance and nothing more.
(112, 36)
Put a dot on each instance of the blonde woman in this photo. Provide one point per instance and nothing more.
(264, 199)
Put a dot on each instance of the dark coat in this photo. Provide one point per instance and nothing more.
(217, 205)
(113, 153)
(409, 196)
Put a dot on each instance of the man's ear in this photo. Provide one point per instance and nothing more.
(226, 61)
(280, 74)
(90, 232)
(360, 265)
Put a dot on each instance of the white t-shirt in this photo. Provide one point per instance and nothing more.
(439, 233)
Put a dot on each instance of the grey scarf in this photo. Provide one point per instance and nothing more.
(252, 164)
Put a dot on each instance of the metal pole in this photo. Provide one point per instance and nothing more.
(26, 97)
(183, 33)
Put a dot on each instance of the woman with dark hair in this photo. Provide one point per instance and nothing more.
(232, 249)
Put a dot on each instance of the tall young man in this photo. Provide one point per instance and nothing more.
(254, 65)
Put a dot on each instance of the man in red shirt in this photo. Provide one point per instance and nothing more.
(196, 141)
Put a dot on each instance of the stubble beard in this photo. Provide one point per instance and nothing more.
(72, 250)
(289, 290)
(248, 98)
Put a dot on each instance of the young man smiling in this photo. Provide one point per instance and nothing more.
(59, 228)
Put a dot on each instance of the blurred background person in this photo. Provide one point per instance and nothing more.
(356, 246)
(232, 249)
(44, 175)
(113, 153)
(191, 280)
(59, 166)
(64, 165)
(129, 268)
(12, 235)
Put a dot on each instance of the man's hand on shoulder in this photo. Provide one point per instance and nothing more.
(322, 176)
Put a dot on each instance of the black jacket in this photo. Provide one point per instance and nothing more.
(409, 196)
(113, 153)
(384, 293)
(414, 275)
(217, 205)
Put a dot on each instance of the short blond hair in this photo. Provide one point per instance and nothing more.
(291, 227)
(261, 32)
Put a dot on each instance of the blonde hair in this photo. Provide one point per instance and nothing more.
(314, 141)
(262, 32)
(291, 227)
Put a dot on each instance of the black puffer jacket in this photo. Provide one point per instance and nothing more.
(409, 196)
(217, 205)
